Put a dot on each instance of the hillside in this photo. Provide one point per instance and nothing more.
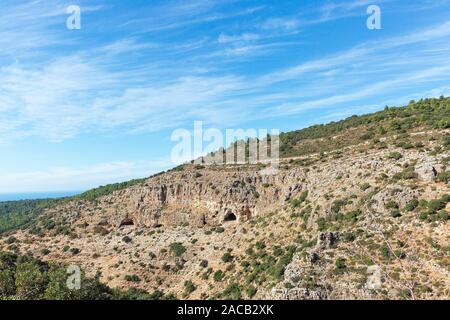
(366, 191)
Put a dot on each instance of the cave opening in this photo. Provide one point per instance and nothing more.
(127, 222)
(230, 216)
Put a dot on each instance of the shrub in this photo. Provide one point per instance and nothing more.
(385, 251)
(127, 239)
(395, 214)
(407, 174)
(220, 229)
(7, 284)
(395, 155)
(277, 251)
(349, 237)
(352, 216)
(189, 287)
(232, 292)
(204, 263)
(227, 257)
(177, 249)
(423, 216)
(443, 215)
(340, 265)
(100, 230)
(443, 177)
(218, 275)
(30, 282)
(436, 205)
(391, 205)
(297, 202)
(251, 291)
(132, 278)
(321, 224)
(412, 205)
(260, 245)
(337, 205)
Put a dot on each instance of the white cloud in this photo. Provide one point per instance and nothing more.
(223, 38)
(286, 24)
(68, 178)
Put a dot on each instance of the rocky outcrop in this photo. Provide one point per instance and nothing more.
(198, 198)
(327, 240)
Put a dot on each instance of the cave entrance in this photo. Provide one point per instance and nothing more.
(230, 216)
(127, 222)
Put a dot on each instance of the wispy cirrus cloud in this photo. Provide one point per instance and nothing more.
(91, 92)
(56, 178)
(78, 94)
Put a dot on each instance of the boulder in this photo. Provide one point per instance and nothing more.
(327, 240)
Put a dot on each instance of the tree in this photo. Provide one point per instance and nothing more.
(30, 282)
(7, 285)
(57, 285)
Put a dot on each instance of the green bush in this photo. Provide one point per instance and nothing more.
(340, 265)
(189, 287)
(177, 249)
(127, 239)
(322, 224)
(396, 214)
(423, 216)
(277, 251)
(391, 205)
(352, 216)
(411, 205)
(295, 203)
(443, 215)
(251, 291)
(232, 292)
(227, 257)
(260, 245)
(218, 275)
(443, 177)
(30, 281)
(385, 251)
(338, 205)
(220, 229)
(7, 283)
(407, 174)
(436, 205)
(132, 278)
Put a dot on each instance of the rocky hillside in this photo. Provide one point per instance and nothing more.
(365, 194)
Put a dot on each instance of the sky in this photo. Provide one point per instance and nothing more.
(85, 107)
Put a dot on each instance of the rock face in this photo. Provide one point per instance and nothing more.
(201, 198)
(401, 194)
(428, 171)
(210, 196)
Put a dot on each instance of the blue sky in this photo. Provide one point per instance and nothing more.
(81, 108)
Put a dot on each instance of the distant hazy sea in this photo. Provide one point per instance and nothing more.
(33, 196)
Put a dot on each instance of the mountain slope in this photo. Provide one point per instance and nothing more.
(367, 191)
